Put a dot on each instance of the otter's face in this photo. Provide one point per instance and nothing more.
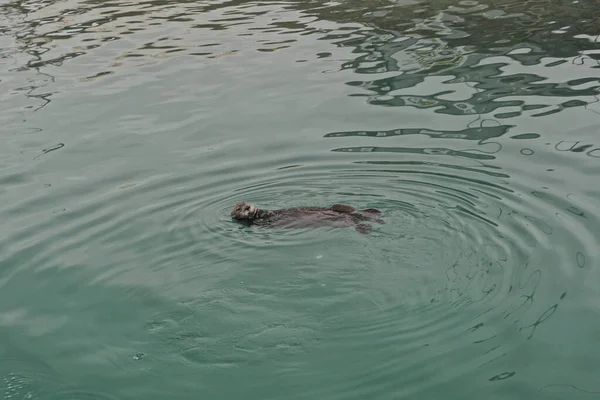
(244, 211)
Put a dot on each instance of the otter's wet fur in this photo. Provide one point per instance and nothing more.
(338, 215)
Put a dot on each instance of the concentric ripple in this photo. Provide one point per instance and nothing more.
(453, 272)
(143, 123)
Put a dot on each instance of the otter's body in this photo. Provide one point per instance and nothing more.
(338, 215)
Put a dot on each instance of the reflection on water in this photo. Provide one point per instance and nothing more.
(131, 128)
(487, 55)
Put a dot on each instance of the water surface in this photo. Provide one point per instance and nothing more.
(129, 129)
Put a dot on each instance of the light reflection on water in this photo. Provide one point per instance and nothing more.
(130, 129)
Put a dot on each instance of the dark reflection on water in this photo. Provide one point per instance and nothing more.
(441, 38)
(445, 39)
(487, 206)
(590, 150)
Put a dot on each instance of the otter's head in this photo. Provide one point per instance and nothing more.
(244, 211)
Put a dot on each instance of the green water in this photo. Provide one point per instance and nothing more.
(130, 128)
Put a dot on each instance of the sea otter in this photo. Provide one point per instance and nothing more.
(338, 215)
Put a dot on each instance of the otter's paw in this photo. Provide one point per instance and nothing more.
(363, 228)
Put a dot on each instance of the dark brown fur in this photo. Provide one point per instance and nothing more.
(338, 215)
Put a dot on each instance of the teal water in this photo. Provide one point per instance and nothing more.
(129, 130)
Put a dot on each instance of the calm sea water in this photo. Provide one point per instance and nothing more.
(130, 128)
